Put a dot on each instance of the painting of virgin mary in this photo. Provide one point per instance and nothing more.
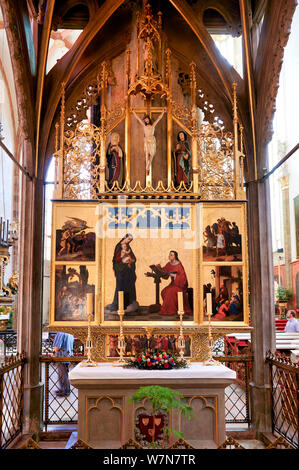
(124, 267)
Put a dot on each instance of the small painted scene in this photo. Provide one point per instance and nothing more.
(136, 343)
(75, 241)
(225, 283)
(72, 284)
(222, 239)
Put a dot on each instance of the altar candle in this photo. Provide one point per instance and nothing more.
(120, 300)
(209, 303)
(180, 302)
(89, 303)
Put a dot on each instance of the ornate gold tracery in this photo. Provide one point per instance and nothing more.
(217, 160)
(81, 161)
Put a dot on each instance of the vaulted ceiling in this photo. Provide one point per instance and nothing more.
(106, 27)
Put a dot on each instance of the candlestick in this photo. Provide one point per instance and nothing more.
(89, 303)
(121, 339)
(180, 302)
(210, 361)
(89, 343)
(209, 303)
(120, 300)
(181, 339)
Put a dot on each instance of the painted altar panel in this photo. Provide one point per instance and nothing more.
(71, 286)
(136, 343)
(151, 251)
(74, 232)
(224, 263)
(222, 236)
(74, 261)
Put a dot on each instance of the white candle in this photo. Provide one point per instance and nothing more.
(89, 303)
(121, 300)
(209, 303)
(180, 302)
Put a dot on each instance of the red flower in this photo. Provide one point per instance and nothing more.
(139, 359)
(149, 363)
(166, 365)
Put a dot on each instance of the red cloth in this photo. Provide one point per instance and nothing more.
(222, 312)
(170, 293)
(164, 343)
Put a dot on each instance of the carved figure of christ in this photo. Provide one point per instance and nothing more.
(149, 138)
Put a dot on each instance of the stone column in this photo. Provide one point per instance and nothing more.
(284, 182)
(29, 319)
(261, 301)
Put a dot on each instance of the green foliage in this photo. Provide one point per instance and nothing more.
(162, 398)
(283, 294)
(9, 321)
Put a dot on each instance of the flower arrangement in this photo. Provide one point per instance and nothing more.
(157, 359)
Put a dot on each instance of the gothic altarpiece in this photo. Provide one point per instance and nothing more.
(146, 181)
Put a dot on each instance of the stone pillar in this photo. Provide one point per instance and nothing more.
(284, 182)
(29, 318)
(261, 301)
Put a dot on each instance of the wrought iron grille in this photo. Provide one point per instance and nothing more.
(11, 399)
(58, 409)
(9, 338)
(237, 395)
(285, 397)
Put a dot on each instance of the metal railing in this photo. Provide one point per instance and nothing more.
(237, 395)
(9, 338)
(11, 398)
(285, 397)
(58, 409)
(64, 410)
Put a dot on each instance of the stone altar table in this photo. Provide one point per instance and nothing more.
(106, 420)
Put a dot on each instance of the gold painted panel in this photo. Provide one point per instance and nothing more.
(156, 229)
(149, 251)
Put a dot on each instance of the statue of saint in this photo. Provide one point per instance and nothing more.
(149, 138)
(182, 159)
(115, 161)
